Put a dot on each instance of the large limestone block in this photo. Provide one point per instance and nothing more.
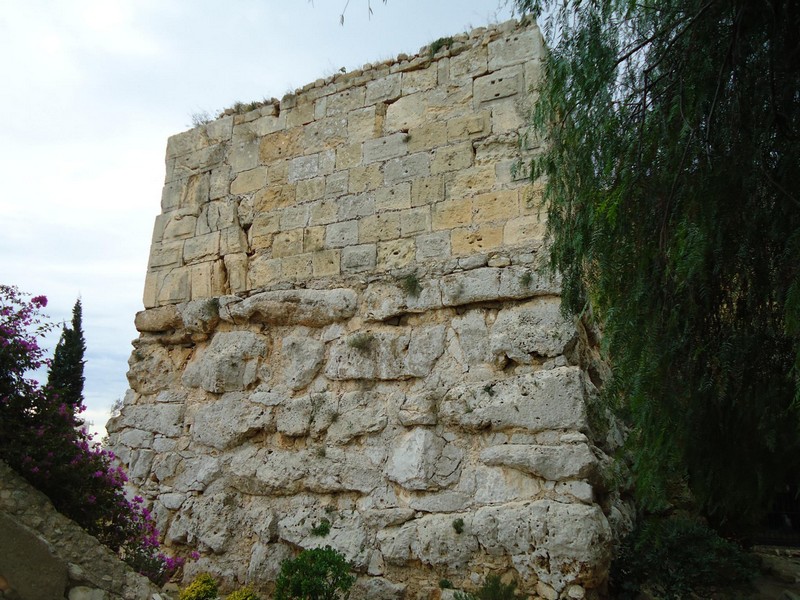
(156, 320)
(384, 300)
(196, 474)
(561, 544)
(312, 308)
(303, 358)
(154, 368)
(208, 521)
(288, 472)
(200, 316)
(347, 535)
(359, 413)
(386, 355)
(294, 418)
(473, 335)
(227, 422)
(431, 540)
(556, 463)
(265, 562)
(423, 460)
(515, 47)
(551, 399)
(378, 588)
(229, 364)
(532, 330)
(166, 419)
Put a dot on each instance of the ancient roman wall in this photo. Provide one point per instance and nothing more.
(349, 339)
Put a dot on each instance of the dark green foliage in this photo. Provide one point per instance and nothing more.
(203, 587)
(316, 574)
(492, 589)
(412, 285)
(445, 584)
(671, 138)
(676, 556)
(65, 376)
(323, 529)
(458, 525)
(361, 341)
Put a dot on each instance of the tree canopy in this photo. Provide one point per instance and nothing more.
(672, 175)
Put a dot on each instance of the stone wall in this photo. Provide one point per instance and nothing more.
(46, 556)
(347, 327)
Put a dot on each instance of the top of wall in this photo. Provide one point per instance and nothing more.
(384, 170)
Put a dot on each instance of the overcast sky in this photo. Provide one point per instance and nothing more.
(91, 89)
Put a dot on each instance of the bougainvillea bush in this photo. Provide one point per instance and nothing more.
(45, 440)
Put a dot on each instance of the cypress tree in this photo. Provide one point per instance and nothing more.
(65, 376)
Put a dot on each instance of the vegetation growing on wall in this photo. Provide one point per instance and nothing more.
(672, 170)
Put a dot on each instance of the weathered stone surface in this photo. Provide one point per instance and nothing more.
(532, 330)
(422, 460)
(154, 368)
(226, 422)
(313, 308)
(304, 358)
(359, 413)
(378, 588)
(386, 356)
(551, 399)
(200, 316)
(229, 364)
(571, 461)
(551, 540)
(166, 419)
(158, 319)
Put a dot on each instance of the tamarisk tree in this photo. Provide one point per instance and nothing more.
(670, 138)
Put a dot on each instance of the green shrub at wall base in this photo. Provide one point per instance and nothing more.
(315, 574)
(244, 593)
(675, 558)
(204, 587)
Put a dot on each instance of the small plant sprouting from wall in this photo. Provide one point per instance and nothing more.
(412, 285)
(442, 42)
(323, 529)
(202, 117)
(458, 525)
(526, 279)
(445, 584)
(361, 341)
(489, 389)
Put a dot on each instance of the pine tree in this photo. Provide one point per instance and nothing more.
(671, 152)
(65, 376)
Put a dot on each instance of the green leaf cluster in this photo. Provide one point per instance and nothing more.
(315, 574)
(671, 159)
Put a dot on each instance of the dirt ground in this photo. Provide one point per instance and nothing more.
(780, 578)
